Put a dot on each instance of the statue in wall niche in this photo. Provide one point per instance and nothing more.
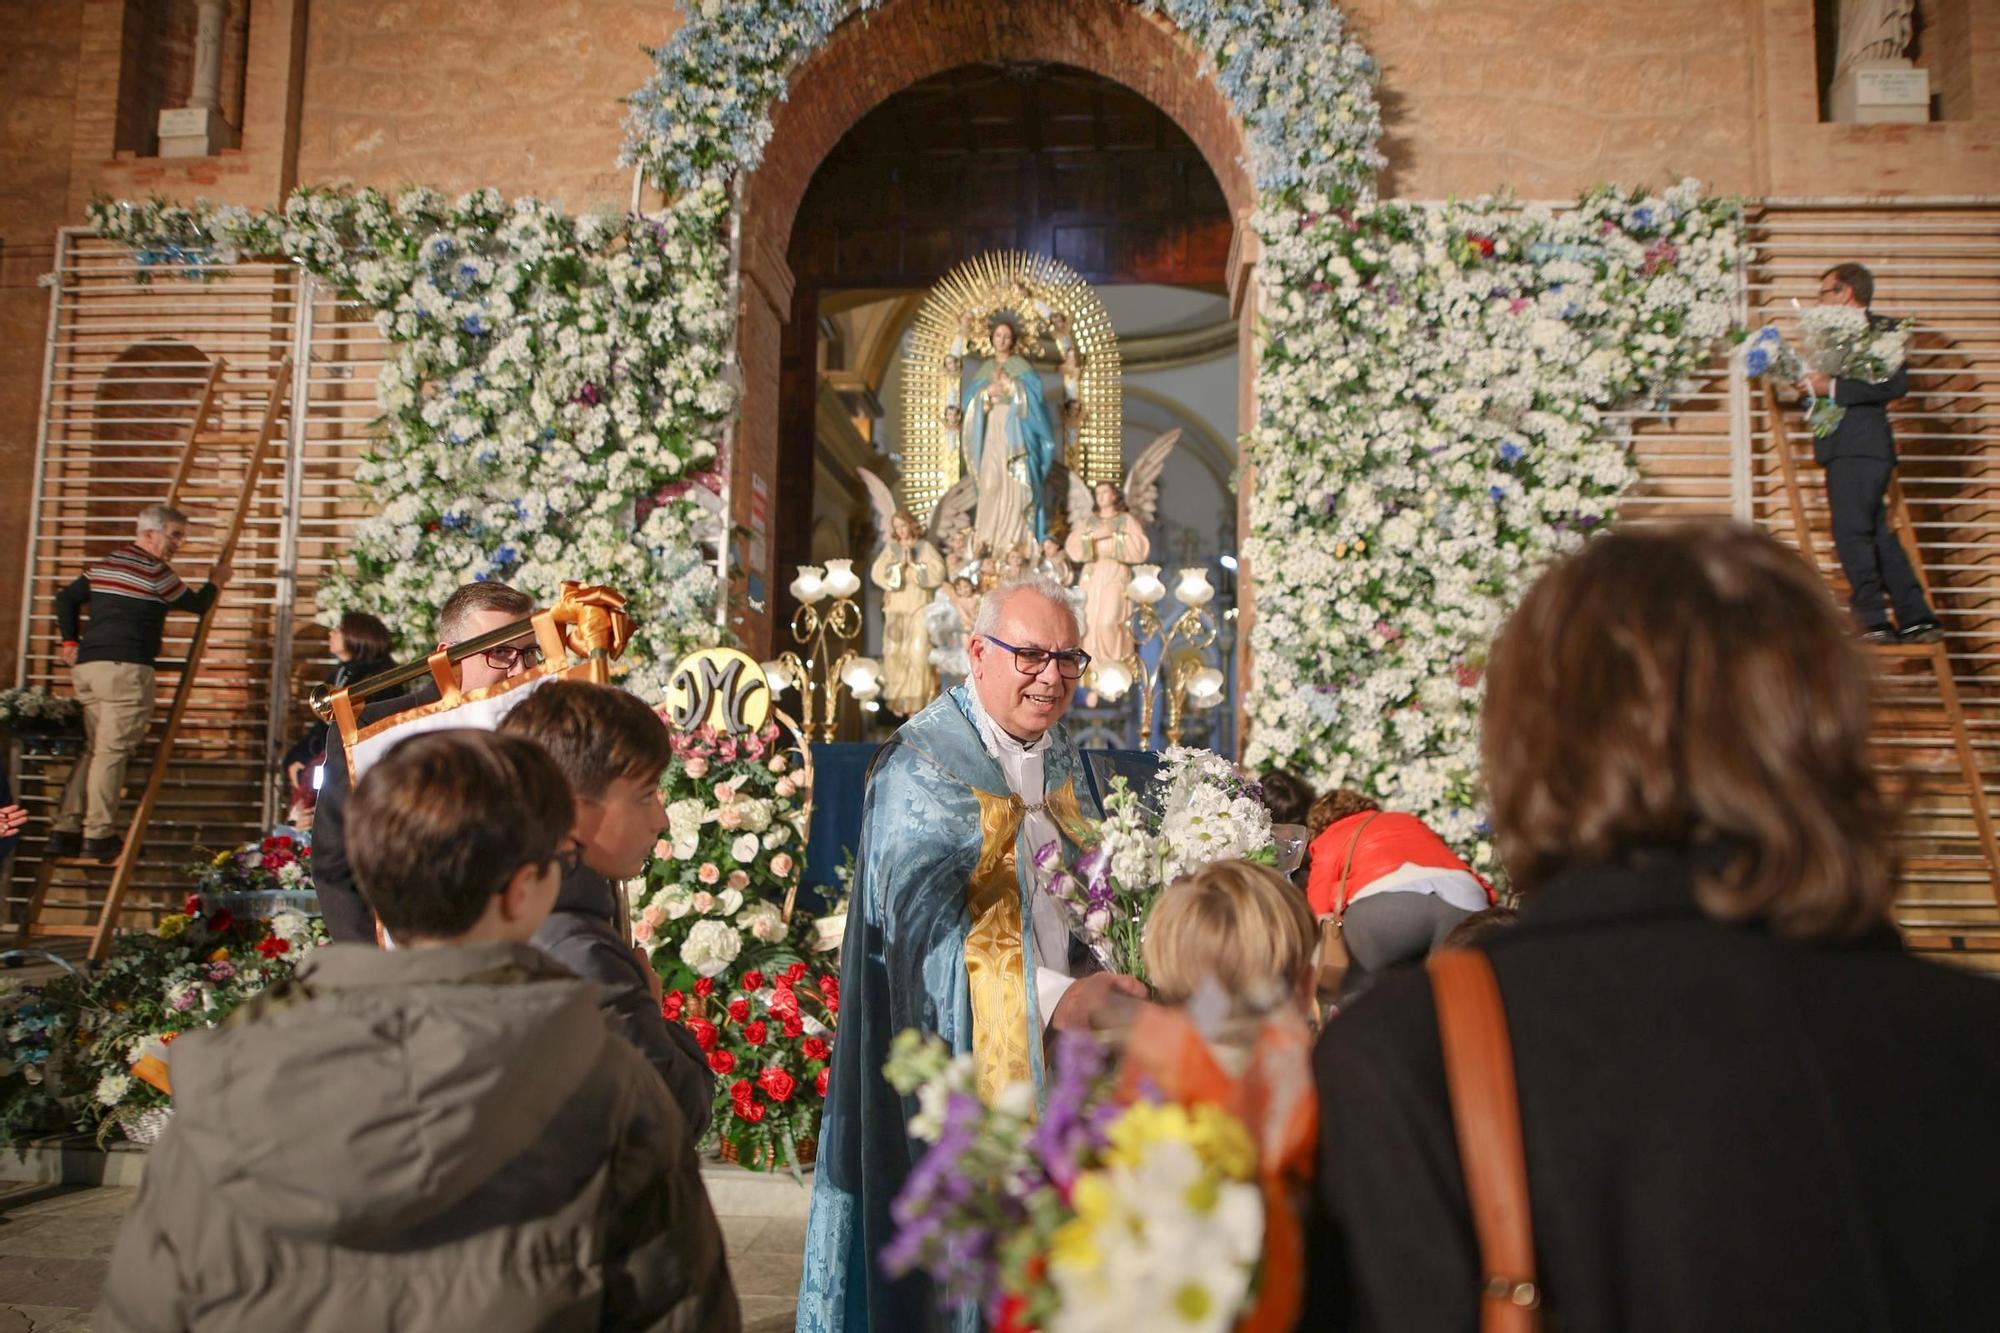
(908, 570)
(1872, 30)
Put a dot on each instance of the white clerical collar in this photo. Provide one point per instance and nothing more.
(994, 737)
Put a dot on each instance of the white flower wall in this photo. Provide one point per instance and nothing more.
(1432, 398)
(1432, 386)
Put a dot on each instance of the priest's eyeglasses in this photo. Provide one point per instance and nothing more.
(1031, 661)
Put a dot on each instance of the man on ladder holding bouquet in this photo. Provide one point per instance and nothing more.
(1859, 456)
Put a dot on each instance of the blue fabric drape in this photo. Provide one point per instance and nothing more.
(840, 772)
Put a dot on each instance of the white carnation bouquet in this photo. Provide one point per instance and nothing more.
(1838, 341)
(1206, 812)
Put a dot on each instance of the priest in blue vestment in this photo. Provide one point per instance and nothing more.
(948, 933)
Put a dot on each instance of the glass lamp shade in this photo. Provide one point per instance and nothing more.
(1145, 587)
(1113, 679)
(807, 585)
(778, 676)
(841, 580)
(863, 676)
(1205, 687)
(1194, 589)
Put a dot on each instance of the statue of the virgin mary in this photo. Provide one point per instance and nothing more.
(1008, 443)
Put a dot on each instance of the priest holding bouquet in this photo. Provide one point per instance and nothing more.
(949, 934)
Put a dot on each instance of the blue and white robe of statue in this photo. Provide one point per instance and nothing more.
(938, 938)
(1030, 437)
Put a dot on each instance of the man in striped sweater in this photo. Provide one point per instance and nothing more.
(129, 593)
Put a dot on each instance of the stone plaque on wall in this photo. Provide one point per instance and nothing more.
(194, 131)
(1881, 90)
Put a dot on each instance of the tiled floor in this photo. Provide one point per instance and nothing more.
(55, 1244)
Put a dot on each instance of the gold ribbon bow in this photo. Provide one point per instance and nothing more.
(592, 619)
(995, 961)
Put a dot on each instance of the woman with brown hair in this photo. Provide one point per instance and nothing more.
(361, 646)
(1742, 1105)
(1393, 885)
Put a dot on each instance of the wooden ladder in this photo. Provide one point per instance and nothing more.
(200, 438)
(1946, 717)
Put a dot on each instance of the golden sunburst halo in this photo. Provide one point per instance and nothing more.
(1036, 288)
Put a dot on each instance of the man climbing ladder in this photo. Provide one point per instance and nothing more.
(1859, 456)
(112, 663)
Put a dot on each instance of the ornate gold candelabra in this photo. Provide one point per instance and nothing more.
(1181, 672)
(826, 633)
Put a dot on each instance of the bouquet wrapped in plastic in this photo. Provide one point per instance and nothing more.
(1838, 341)
(1207, 812)
(1159, 1192)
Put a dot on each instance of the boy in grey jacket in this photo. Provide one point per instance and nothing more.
(613, 749)
(442, 1136)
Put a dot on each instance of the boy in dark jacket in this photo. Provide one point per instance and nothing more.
(613, 749)
(442, 1136)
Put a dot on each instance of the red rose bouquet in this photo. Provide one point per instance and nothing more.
(769, 1040)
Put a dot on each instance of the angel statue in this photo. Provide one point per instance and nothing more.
(1107, 536)
(908, 570)
(1007, 439)
(949, 619)
(961, 560)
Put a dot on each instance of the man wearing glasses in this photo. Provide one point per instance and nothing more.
(1859, 456)
(950, 932)
(475, 609)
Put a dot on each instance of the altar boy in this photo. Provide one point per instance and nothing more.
(445, 1135)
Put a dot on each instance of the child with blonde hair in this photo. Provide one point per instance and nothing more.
(1240, 925)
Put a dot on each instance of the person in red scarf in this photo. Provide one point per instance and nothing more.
(1395, 887)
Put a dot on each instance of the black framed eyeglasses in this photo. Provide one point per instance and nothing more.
(508, 655)
(1031, 661)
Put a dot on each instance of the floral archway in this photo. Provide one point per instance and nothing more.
(1432, 382)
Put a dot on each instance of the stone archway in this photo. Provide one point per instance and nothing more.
(868, 60)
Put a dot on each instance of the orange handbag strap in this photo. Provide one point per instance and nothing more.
(1486, 1110)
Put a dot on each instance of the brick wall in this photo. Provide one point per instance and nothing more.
(524, 95)
(1549, 96)
(39, 51)
(1540, 96)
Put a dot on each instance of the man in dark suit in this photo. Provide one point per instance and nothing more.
(475, 609)
(1859, 456)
